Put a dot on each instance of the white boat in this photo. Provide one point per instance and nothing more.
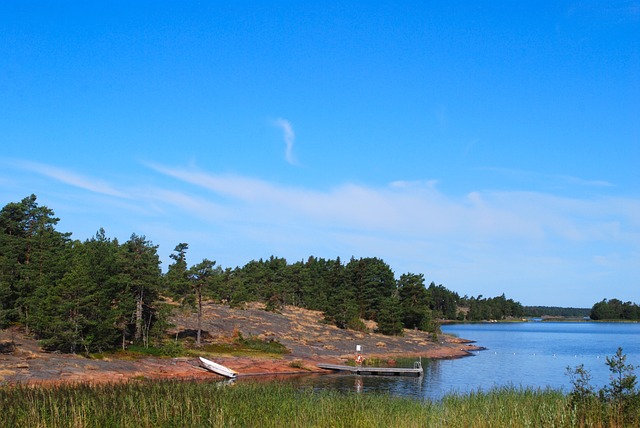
(218, 368)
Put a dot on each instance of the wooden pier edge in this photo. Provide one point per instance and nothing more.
(376, 371)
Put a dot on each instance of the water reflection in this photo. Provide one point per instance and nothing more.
(532, 355)
(359, 383)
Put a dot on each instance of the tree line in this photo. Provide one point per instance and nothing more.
(100, 294)
(555, 311)
(615, 309)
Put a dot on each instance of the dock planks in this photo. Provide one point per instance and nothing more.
(376, 371)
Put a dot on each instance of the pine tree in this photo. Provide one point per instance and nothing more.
(141, 278)
(177, 277)
(390, 317)
(200, 275)
(414, 302)
(372, 282)
(32, 257)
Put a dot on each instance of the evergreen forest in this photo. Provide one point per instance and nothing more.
(615, 309)
(101, 294)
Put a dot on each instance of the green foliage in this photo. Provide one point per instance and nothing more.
(620, 399)
(372, 282)
(140, 277)
(341, 308)
(555, 311)
(390, 317)
(443, 303)
(615, 309)
(271, 346)
(177, 284)
(494, 308)
(171, 348)
(161, 325)
(274, 304)
(621, 391)
(253, 346)
(200, 276)
(582, 396)
(31, 257)
(74, 296)
(414, 302)
(356, 324)
(100, 294)
(274, 404)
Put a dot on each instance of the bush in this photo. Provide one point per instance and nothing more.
(357, 324)
(620, 400)
(172, 348)
(267, 346)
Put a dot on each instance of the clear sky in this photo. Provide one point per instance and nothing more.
(493, 146)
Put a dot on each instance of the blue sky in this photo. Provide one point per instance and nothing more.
(492, 146)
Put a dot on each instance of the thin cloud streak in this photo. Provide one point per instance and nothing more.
(289, 138)
(479, 242)
(420, 209)
(402, 208)
(549, 179)
(71, 178)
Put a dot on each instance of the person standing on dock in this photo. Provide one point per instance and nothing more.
(359, 357)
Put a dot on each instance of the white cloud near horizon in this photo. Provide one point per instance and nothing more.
(483, 236)
(420, 208)
(289, 138)
(407, 208)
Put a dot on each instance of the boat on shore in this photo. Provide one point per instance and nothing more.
(218, 368)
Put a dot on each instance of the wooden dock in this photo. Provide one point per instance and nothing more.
(376, 371)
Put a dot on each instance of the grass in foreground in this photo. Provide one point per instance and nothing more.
(190, 404)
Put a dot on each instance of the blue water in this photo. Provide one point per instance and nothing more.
(530, 354)
(534, 354)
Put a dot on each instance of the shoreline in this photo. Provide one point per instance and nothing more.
(29, 366)
(309, 340)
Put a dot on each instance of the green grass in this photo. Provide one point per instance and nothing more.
(241, 347)
(189, 404)
(250, 347)
(134, 352)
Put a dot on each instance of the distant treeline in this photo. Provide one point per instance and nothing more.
(615, 309)
(610, 310)
(99, 294)
(556, 311)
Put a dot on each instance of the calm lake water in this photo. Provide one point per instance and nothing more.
(532, 354)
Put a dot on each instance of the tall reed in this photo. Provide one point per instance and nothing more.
(156, 404)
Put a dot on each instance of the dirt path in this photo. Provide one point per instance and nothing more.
(301, 331)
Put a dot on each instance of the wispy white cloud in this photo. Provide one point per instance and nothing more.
(232, 186)
(419, 209)
(289, 138)
(195, 206)
(582, 182)
(549, 179)
(482, 240)
(71, 178)
(403, 208)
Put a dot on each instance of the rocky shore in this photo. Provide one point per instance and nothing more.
(309, 340)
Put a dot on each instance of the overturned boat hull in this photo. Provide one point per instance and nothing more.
(218, 368)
